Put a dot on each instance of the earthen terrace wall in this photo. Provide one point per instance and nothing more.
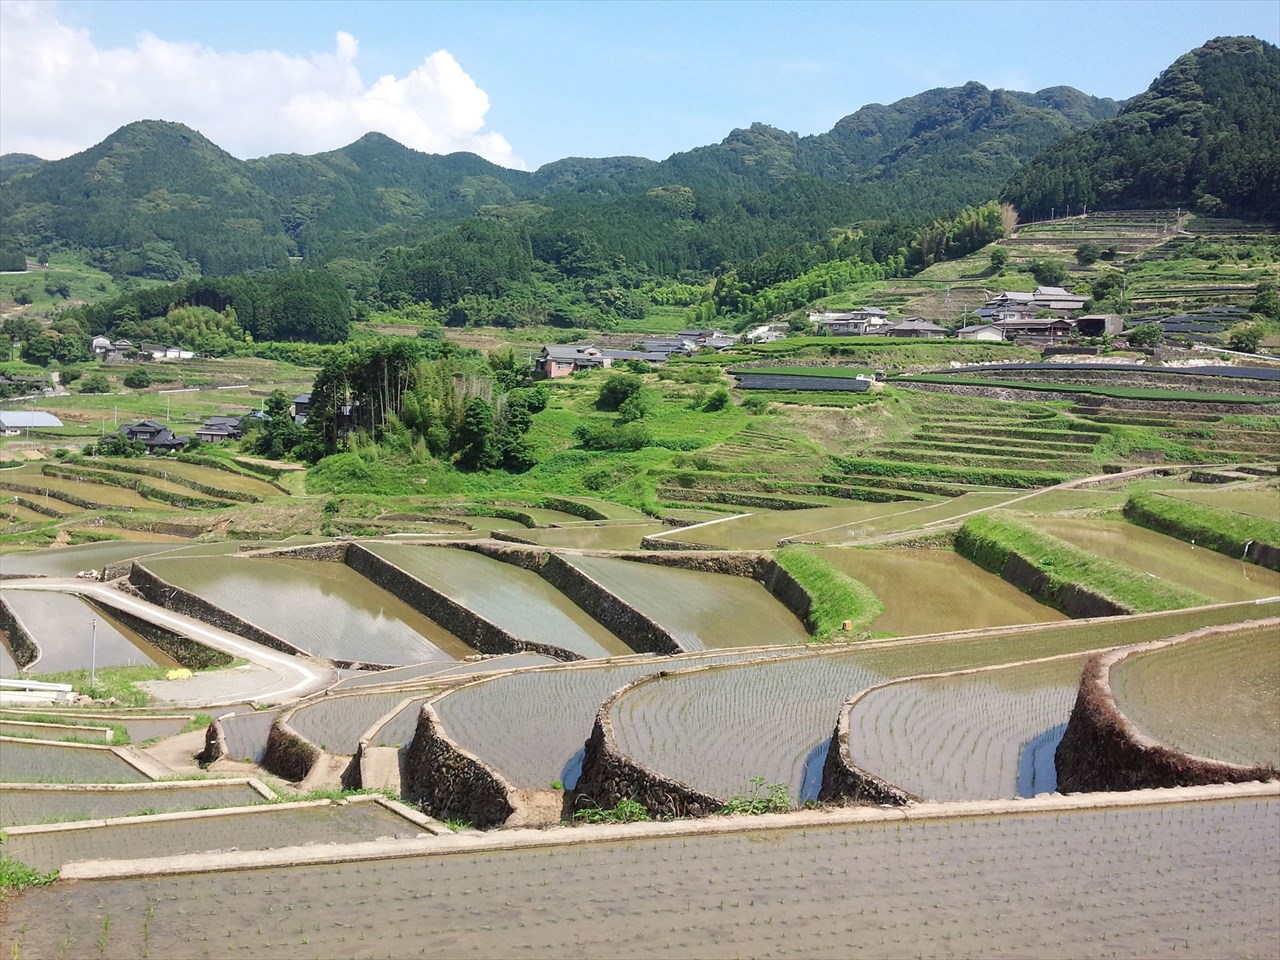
(1102, 750)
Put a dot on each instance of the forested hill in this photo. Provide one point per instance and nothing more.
(157, 199)
(1204, 134)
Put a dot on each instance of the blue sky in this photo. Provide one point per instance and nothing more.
(527, 83)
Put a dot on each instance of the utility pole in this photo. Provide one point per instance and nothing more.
(93, 657)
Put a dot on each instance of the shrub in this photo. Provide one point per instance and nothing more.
(718, 400)
(96, 383)
(617, 390)
(605, 436)
(763, 798)
(1088, 252)
(137, 378)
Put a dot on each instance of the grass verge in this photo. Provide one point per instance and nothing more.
(1219, 530)
(835, 596)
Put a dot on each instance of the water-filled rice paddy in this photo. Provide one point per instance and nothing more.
(977, 736)
(37, 804)
(335, 723)
(932, 591)
(26, 762)
(916, 515)
(1195, 879)
(270, 826)
(331, 611)
(608, 536)
(1217, 696)
(701, 610)
(716, 729)
(1171, 559)
(762, 529)
(68, 561)
(246, 734)
(519, 601)
(1261, 502)
(531, 726)
(62, 627)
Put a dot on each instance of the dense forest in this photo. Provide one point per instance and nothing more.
(1203, 135)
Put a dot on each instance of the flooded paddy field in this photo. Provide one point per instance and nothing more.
(978, 736)
(1166, 557)
(62, 626)
(40, 803)
(1261, 502)
(1216, 696)
(701, 610)
(931, 591)
(30, 762)
(1195, 879)
(334, 724)
(246, 734)
(762, 529)
(531, 727)
(519, 601)
(440, 670)
(262, 829)
(715, 729)
(331, 611)
(915, 516)
(605, 536)
(68, 561)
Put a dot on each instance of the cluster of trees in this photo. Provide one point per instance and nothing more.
(949, 239)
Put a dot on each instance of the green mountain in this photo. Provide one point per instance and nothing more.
(14, 163)
(1204, 134)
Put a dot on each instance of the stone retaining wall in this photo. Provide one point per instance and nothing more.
(24, 649)
(608, 775)
(215, 743)
(335, 550)
(164, 594)
(844, 782)
(465, 624)
(449, 783)
(189, 653)
(1102, 750)
(289, 755)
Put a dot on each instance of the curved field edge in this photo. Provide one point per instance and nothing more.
(1236, 535)
(834, 596)
(1102, 750)
(1073, 580)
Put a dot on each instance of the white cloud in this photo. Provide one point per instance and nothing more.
(59, 93)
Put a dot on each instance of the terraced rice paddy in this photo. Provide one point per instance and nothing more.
(246, 734)
(517, 600)
(914, 517)
(932, 591)
(531, 727)
(1217, 696)
(761, 530)
(262, 829)
(441, 671)
(41, 803)
(701, 610)
(1161, 556)
(335, 723)
(1261, 502)
(99, 493)
(209, 476)
(27, 762)
(977, 736)
(610, 536)
(1197, 879)
(332, 611)
(717, 728)
(69, 561)
(62, 626)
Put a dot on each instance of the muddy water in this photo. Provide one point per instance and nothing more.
(1146, 551)
(29, 806)
(983, 736)
(68, 561)
(933, 591)
(1193, 880)
(258, 830)
(519, 601)
(62, 626)
(326, 609)
(701, 610)
(916, 516)
(544, 517)
(610, 536)
(762, 529)
(1261, 502)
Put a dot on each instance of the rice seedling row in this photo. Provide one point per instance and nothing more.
(1216, 696)
(29, 762)
(1197, 880)
(979, 736)
(335, 723)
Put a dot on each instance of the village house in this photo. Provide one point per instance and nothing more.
(914, 327)
(1041, 329)
(155, 436)
(981, 331)
(562, 361)
(861, 322)
(300, 407)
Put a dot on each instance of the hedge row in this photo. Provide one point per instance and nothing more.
(993, 449)
(1220, 530)
(159, 474)
(985, 462)
(992, 539)
(1017, 479)
(143, 489)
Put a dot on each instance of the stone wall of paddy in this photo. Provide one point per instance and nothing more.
(609, 775)
(289, 755)
(1102, 750)
(190, 653)
(24, 649)
(449, 783)
(844, 782)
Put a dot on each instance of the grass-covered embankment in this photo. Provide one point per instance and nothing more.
(1063, 575)
(1220, 530)
(835, 596)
